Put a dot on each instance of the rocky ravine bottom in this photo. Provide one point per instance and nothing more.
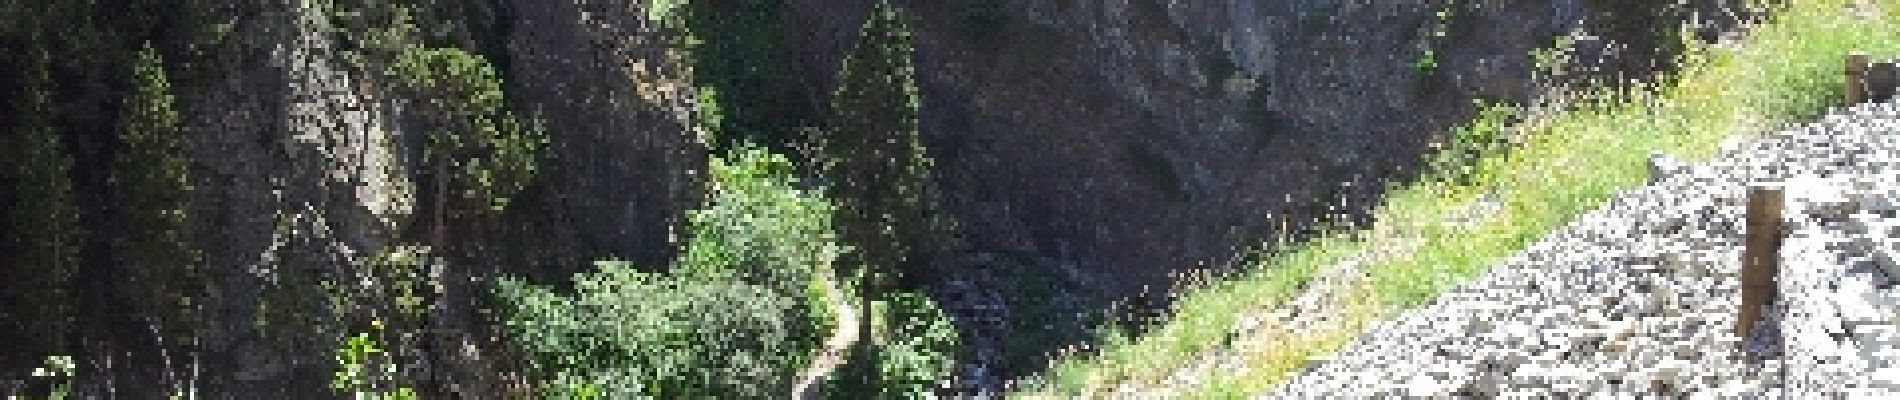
(1639, 297)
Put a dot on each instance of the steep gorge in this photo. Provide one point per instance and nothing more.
(1100, 146)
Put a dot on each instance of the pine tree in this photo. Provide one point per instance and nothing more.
(42, 243)
(478, 155)
(152, 182)
(875, 161)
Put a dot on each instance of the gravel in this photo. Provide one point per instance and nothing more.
(1638, 298)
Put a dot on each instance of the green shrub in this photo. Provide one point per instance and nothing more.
(625, 333)
(733, 319)
(1488, 135)
(912, 350)
(758, 225)
(364, 369)
(60, 370)
(919, 350)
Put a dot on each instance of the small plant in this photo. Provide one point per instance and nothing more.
(362, 364)
(1486, 136)
(1547, 60)
(60, 369)
(921, 344)
(1428, 60)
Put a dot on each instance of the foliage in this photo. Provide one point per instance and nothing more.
(758, 226)
(1486, 136)
(60, 369)
(389, 293)
(634, 333)
(1427, 61)
(740, 50)
(491, 151)
(152, 181)
(43, 237)
(362, 366)
(915, 348)
(872, 155)
(919, 348)
(746, 274)
(373, 32)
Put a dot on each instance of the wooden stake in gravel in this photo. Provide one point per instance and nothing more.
(1762, 245)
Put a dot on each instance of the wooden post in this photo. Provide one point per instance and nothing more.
(1760, 256)
(1856, 78)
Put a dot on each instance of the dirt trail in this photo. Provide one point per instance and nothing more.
(840, 342)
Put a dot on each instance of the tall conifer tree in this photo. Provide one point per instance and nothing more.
(874, 160)
(151, 179)
(42, 243)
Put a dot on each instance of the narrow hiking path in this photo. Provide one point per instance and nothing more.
(837, 346)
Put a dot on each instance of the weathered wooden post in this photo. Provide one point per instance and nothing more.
(1760, 255)
(1856, 78)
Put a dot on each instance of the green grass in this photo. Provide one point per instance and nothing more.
(1566, 163)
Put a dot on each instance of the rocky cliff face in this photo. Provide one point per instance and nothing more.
(304, 170)
(1121, 142)
(614, 89)
(309, 161)
(1133, 138)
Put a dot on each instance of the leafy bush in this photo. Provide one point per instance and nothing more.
(364, 369)
(625, 333)
(758, 225)
(1487, 135)
(60, 370)
(920, 347)
(733, 319)
(911, 351)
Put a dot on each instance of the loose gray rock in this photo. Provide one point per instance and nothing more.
(1638, 298)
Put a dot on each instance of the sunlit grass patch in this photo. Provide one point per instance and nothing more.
(1557, 167)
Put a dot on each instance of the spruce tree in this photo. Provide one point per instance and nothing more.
(875, 162)
(42, 242)
(151, 179)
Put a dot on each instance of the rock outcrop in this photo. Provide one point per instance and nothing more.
(1135, 138)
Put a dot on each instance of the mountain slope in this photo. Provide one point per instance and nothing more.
(1640, 296)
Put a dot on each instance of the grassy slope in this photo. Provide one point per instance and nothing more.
(1789, 69)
